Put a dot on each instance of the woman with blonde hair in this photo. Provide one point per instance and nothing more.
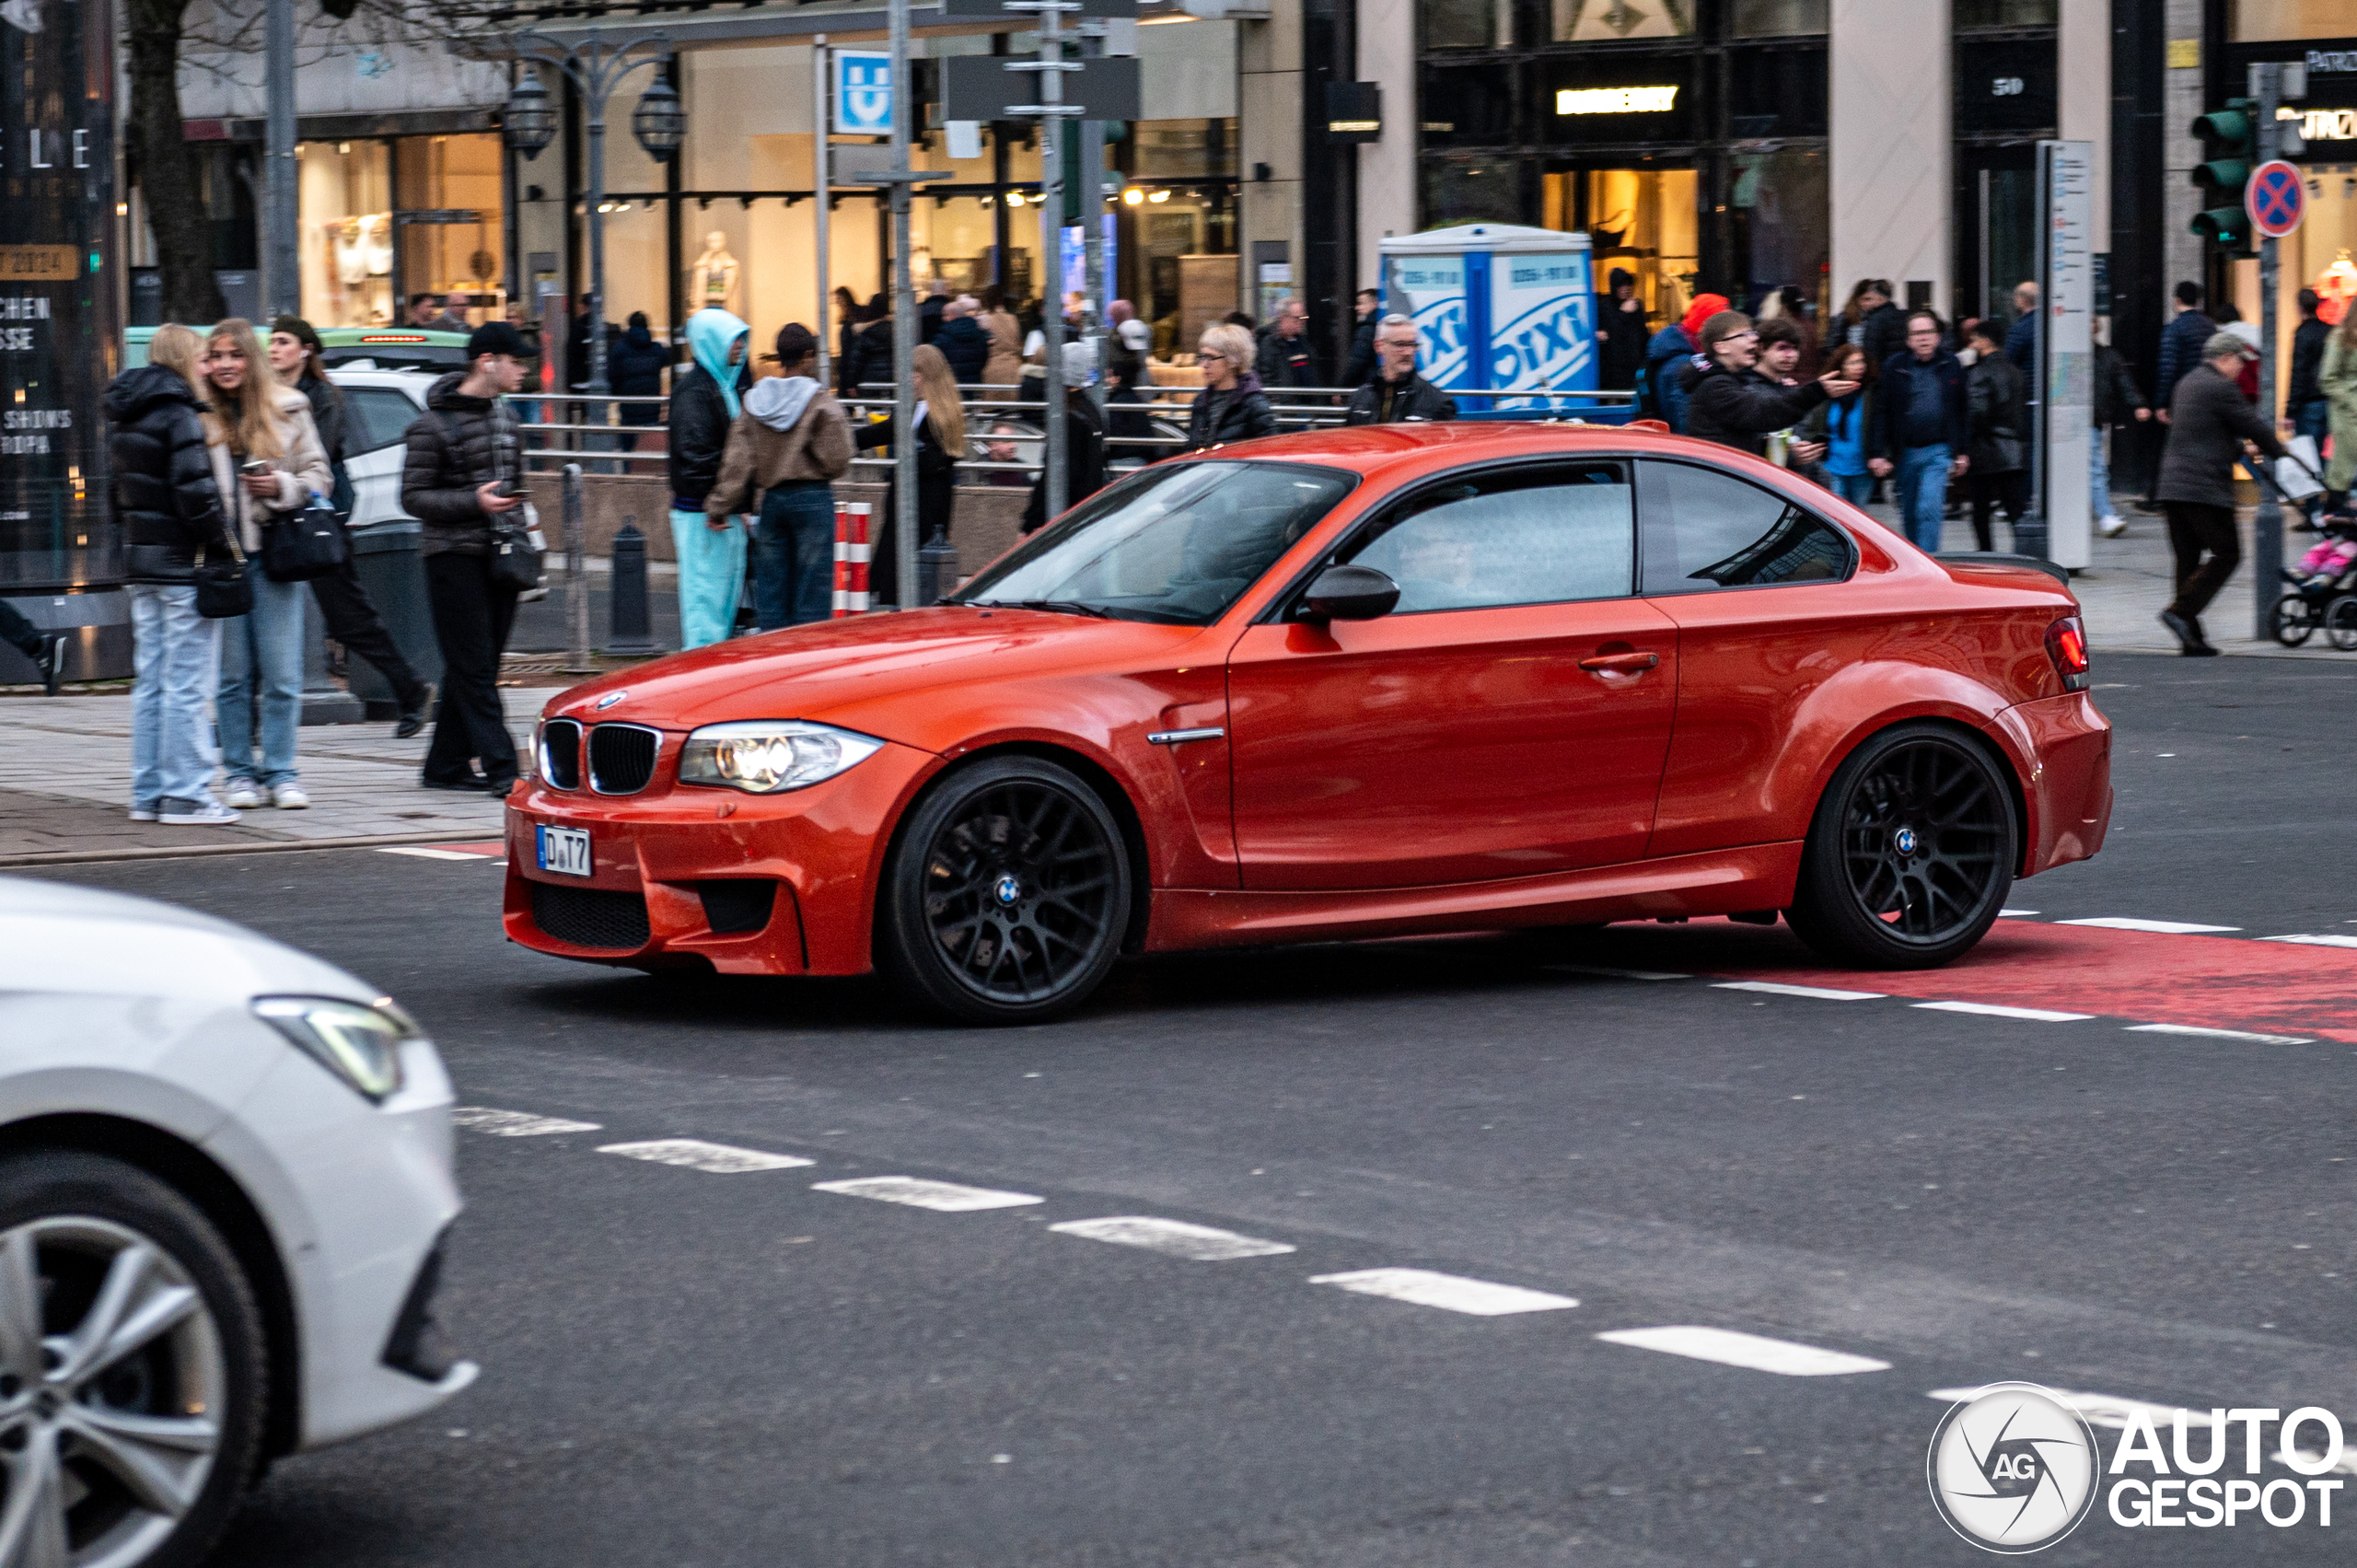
(941, 443)
(268, 463)
(1231, 407)
(166, 497)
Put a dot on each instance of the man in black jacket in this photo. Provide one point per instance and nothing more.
(1396, 394)
(1621, 331)
(635, 369)
(1361, 364)
(2209, 421)
(1730, 403)
(460, 474)
(1996, 398)
(1286, 357)
(1920, 429)
(2303, 402)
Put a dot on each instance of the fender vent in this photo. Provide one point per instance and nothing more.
(733, 908)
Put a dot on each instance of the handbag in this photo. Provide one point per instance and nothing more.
(514, 558)
(302, 545)
(223, 588)
(2296, 473)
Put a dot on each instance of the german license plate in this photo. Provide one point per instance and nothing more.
(564, 851)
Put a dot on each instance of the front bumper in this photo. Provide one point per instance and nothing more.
(748, 884)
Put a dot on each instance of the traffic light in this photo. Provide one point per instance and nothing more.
(2230, 137)
(1075, 187)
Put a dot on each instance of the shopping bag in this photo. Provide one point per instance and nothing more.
(2295, 475)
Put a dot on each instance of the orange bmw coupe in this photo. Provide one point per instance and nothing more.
(1344, 684)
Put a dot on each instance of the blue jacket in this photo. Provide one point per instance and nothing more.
(2021, 344)
(1664, 356)
(1895, 391)
(2181, 343)
(967, 348)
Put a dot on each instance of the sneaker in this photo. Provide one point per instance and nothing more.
(143, 813)
(51, 662)
(2113, 525)
(244, 795)
(289, 798)
(194, 814)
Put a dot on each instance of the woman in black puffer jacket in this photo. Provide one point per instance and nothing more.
(167, 500)
(1231, 407)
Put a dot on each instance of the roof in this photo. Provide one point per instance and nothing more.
(1505, 237)
(1369, 448)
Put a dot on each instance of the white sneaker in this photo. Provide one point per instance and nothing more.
(244, 795)
(289, 798)
(2113, 525)
(143, 813)
(194, 814)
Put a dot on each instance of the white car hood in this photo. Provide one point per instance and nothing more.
(56, 940)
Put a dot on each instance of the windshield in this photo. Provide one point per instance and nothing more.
(1177, 543)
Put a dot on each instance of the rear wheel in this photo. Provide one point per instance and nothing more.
(1910, 855)
(1007, 895)
(2295, 620)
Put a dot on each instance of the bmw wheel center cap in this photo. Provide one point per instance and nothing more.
(1007, 891)
(1904, 841)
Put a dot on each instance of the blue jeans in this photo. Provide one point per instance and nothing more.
(2098, 473)
(1852, 487)
(1921, 491)
(795, 580)
(262, 655)
(712, 578)
(2313, 418)
(176, 656)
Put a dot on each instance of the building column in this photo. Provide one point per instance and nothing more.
(1891, 146)
(1387, 168)
(2182, 94)
(1269, 90)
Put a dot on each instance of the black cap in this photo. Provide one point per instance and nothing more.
(1622, 275)
(495, 337)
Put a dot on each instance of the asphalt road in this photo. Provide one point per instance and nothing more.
(694, 1369)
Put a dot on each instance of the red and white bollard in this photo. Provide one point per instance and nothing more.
(851, 557)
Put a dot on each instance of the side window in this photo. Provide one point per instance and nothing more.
(1706, 530)
(375, 417)
(1531, 536)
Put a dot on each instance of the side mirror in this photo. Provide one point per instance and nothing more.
(1351, 592)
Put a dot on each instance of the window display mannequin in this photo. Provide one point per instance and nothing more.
(712, 278)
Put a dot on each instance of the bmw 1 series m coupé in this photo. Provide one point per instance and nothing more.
(1341, 684)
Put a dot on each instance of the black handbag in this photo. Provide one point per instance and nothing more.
(302, 545)
(223, 588)
(514, 559)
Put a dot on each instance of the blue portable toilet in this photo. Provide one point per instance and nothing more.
(1499, 304)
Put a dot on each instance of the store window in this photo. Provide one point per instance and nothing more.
(448, 219)
(1639, 221)
(1465, 24)
(346, 196)
(2005, 13)
(1468, 105)
(1779, 18)
(1781, 207)
(1607, 21)
(2266, 21)
(1471, 191)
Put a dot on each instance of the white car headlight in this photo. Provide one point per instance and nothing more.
(359, 1043)
(771, 756)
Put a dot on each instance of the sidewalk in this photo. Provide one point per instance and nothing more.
(66, 787)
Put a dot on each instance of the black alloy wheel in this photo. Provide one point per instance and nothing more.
(1911, 853)
(1007, 894)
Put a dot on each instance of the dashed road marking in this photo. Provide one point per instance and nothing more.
(2165, 927)
(1179, 1240)
(1993, 1010)
(422, 851)
(943, 1197)
(2101, 1410)
(2014, 914)
(516, 1123)
(1600, 970)
(2219, 1034)
(720, 1159)
(1731, 1348)
(1422, 1287)
(1777, 988)
(2311, 940)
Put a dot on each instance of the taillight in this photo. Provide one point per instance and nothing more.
(2066, 644)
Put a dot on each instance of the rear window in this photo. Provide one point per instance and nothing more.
(1705, 531)
(395, 356)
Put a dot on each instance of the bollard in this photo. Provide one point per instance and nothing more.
(850, 558)
(631, 632)
(577, 563)
(937, 569)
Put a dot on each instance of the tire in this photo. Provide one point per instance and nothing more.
(1006, 896)
(153, 1493)
(1910, 855)
(2340, 623)
(2295, 620)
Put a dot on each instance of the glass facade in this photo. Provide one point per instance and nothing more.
(386, 218)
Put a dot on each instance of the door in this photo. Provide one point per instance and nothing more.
(375, 421)
(1508, 718)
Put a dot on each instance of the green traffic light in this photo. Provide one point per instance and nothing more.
(2232, 126)
(2226, 225)
(2225, 174)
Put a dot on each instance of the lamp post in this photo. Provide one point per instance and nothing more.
(596, 68)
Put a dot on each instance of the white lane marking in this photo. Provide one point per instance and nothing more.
(2002, 915)
(2101, 1410)
(943, 1197)
(720, 1159)
(1615, 974)
(514, 1123)
(2165, 927)
(421, 852)
(1820, 993)
(1992, 1010)
(1176, 1237)
(1759, 1354)
(2330, 939)
(2218, 1034)
(1422, 1287)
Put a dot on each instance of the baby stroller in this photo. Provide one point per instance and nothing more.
(2314, 598)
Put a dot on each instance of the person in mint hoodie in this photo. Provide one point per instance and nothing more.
(705, 400)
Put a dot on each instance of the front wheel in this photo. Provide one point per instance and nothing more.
(1006, 899)
(1910, 855)
(2340, 623)
(2295, 620)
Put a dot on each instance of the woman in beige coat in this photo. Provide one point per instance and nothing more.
(268, 462)
(2337, 379)
(1005, 367)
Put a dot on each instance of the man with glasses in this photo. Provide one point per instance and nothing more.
(1729, 401)
(1286, 356)
(1395, 394)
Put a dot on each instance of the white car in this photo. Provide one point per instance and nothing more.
(379, 408)
(224, 1179)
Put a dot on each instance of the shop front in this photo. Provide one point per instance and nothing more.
(386, 217)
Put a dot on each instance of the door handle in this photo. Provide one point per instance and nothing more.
(1621, 664)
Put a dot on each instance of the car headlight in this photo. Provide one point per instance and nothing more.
(771, 756)
(359, 1043)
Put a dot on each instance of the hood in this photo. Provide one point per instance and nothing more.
(444, 397)
(1705, 306)
(964, 327)
(135, 392)
(77, 940)
(639, 337)
(1247, 384)
(710, 333)
(778, 401)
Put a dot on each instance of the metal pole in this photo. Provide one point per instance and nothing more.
(1092, 236)
(904, 334)
(819, 189)
(1051, 245)
(281, 242)
(577, 563)
(593, 97)
(2266, 526)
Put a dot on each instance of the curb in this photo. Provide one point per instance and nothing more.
(87, 857)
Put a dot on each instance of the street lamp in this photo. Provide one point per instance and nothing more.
(596, 68)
